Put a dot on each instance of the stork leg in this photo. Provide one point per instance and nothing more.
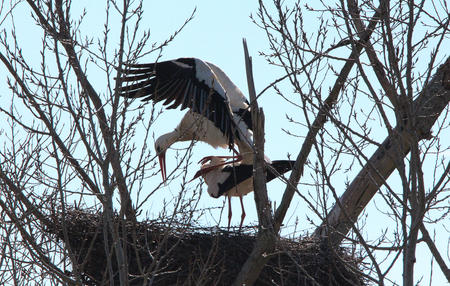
(243, 213)
(229, 212)
(236, 158)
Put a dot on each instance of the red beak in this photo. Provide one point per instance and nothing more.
(198, 174)
(162, 164)
(204, 171)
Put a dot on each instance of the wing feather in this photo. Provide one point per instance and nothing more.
(185, 82)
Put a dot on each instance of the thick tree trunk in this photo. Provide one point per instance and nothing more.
(428, 106)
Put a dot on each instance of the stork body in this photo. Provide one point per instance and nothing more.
(236, 179)
(219, 112)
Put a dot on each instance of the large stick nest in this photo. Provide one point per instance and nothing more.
(162, 254)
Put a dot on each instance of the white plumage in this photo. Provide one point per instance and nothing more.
(235, 179)
(219, 112)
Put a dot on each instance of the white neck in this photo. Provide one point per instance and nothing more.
(166, 140)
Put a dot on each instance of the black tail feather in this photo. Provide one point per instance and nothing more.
(281, 167)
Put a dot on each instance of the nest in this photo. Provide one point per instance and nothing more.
(159, 255)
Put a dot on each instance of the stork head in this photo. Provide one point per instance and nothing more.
(161, 145)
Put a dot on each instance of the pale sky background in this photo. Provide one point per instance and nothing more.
(215, 35)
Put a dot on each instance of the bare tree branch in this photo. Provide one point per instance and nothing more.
(265, 243)
(319, 122)
(428, 106)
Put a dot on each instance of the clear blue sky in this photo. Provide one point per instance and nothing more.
(215, 35)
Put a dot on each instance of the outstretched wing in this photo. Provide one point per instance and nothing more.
(186, 83)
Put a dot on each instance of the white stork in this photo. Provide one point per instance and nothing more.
(209, 94)
(235, 179)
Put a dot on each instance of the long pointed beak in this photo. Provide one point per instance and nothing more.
(204, 171)
(162, 164)
(198, 174)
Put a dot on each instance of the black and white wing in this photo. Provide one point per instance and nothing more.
(240, 173)
(186, 83)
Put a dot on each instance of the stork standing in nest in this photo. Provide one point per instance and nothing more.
(235, 179)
